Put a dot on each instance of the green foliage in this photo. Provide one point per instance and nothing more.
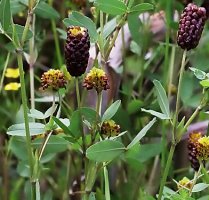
(113, 7)
(5, 14)
(105, 151)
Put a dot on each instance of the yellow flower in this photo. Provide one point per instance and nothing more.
(12, 86)
(76, 30)
(12, 73)
(109, 128)
(96, 79)
(184, 183)
(203, 148)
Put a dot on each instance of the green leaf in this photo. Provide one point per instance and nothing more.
(19, 129)
(143, 7)
(17, 145)
(105, 151)
(200, 187)
(45, 11)
(55, 144)
(144, 152)
(198, 73)
(5, 14)
(76, 124)
(19, 31)
(142, 133)
(162, 98)
(204, 198)
(110, 112)
(77, 19)
(205, 83)
(23, 169)
(134, 25)
(90, 115)
(50, 111)
(63, 126)
(113, 7)
(92, 196)
(134, 106)
(109, 27)
(36, 114)
(17, 7)
(156, 114)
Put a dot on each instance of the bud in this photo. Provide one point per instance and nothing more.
(184, 183)
(109, 128)
(191, 25)
(77, 50)
(96, 79)
(192, 147)
(53, 79)
(203, 148)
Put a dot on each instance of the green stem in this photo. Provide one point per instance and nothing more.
(77, 92)
(175, 123)
(165, 173)
(107, 186)
(195, 180)
(56, 41)
(25, 113)
(99, 102)
(4, 71)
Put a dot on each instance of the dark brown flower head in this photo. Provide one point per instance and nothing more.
(77, 50)
(96, 79)
(192, 148)
(191, 25)
(53, 79)
(109, 128)
(81, 3)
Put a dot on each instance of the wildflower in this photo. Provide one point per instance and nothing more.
(12, 73)
(12, 86)
(53, 79)
(77, 50)
(184, 183)
(192, 147)
(109, 128)
(191, 25)
(203, 148)
(96, 79)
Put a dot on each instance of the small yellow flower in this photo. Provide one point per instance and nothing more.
(12, 73)
(76, 30)
(96, 79)
(53, 79)
(203, 148)
(12, 86)
(184, 183)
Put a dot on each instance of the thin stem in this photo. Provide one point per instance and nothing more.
(195, 180)
(77, 92)
(56, 41)
(107, 186)
(167, 167)
(25, 113)
(4, 71)
(99, 102)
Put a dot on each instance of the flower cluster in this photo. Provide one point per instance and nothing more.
(109, 128)
(191, 25)
(53, 79)
(96, 79)
(198, 147)
(77, 50)
(184, 183)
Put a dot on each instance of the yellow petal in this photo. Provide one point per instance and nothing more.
(12, 86)
(12, 73)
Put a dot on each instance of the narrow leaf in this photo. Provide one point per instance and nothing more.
(199, 187)
(63, 126)
(110, 112)
(156, 114)
(105, 150)
(142, 133)
(162, 98)
(5, 14)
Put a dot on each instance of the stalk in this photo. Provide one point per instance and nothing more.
(26, 120)
(4, 71)
(175, 123)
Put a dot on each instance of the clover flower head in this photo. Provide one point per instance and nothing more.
(203, 148)
(184, 183)
(109, 128)
(96, 79)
